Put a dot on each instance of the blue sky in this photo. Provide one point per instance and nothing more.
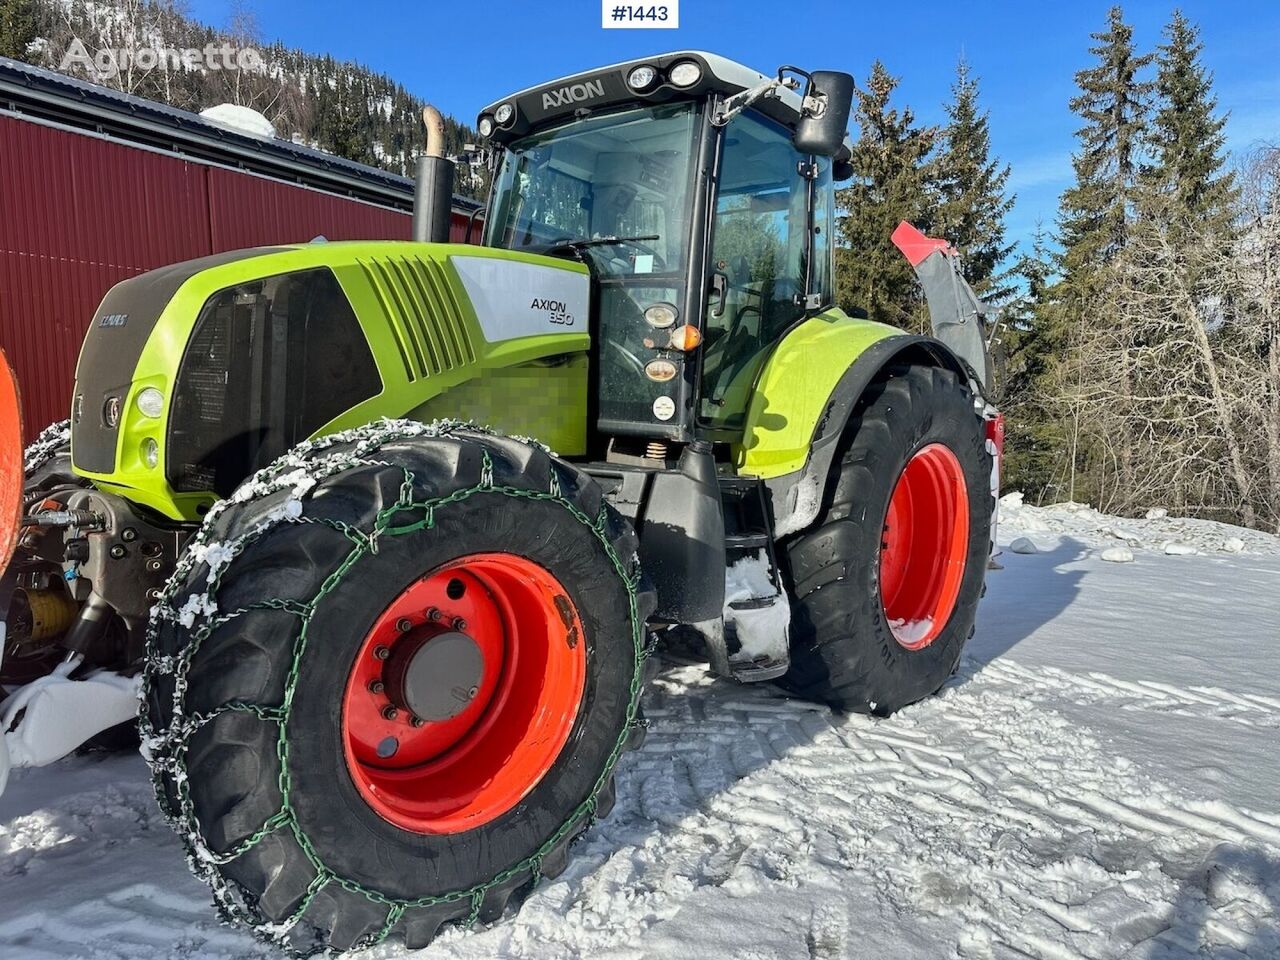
(463, 55)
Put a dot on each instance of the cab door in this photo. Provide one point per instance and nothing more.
(759, 268)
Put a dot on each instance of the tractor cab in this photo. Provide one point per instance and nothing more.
(700, 195)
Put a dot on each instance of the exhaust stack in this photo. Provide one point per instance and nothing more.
(433, 193)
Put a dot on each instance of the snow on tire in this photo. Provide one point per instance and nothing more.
(46, 461)
(273, 737)
(885, 585)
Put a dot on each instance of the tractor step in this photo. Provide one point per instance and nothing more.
(758, 670)
(765, 622)
(756, 624)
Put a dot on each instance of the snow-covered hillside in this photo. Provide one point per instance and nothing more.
(1100, 780)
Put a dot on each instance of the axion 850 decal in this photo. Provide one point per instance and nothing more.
(513, 299)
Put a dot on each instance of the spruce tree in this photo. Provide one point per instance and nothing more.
(892, 176)
(18, 27)
(1114, 103)
(971, 184)
(1024, 351)
(1188, 138)
(1094, 217)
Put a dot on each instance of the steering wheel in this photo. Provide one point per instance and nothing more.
(623, 357)
(568, 242)
(647, 250)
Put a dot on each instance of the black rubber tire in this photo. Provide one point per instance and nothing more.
(842, 649)
(380, 873)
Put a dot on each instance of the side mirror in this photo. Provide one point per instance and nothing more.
(828, 99)
(842, 165)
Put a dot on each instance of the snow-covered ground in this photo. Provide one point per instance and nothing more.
(1100, 780)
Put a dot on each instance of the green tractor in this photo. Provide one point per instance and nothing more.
(383, 535)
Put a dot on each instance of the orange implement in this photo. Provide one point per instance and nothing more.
(10, 461)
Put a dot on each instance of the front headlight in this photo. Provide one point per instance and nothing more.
(504, 113)
(685, 74)
(642, 77)
(150, 402)
(486, 126)
(661, 370)
(661, 315)
(150, 452)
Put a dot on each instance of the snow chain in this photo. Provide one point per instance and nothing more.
(299, 471)
(41, 450)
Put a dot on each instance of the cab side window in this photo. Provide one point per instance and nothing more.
(758, 255)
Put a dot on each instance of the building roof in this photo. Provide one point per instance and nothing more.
(47, 96)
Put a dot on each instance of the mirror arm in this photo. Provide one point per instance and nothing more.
(734, 105)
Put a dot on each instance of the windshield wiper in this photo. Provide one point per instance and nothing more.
(598, 241)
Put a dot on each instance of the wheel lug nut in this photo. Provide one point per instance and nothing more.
(404, 625)
(471, 694)
(434, 615)
(459, 624)
(376, 686)
(417, 721)
(381, 652)
(390, 713)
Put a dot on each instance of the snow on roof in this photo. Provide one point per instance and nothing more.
(244, 119)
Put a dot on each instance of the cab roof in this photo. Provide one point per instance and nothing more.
(607, 86)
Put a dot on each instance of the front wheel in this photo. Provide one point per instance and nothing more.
(389, 683)
(887, 582)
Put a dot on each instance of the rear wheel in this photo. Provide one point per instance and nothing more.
(887, 582)
(390, 682)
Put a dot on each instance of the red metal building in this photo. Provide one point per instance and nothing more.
(96, 186)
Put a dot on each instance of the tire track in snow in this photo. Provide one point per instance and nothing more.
(1252, 710)
(980, 821)
(975, 811)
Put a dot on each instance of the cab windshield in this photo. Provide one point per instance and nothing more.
(618, 181)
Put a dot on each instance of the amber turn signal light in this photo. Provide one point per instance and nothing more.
(685, 338)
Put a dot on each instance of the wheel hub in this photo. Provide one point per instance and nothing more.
(463, 693)
(924, 545)
(432, 675)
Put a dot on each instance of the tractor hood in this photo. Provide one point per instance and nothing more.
(117, 334)
(193, 376)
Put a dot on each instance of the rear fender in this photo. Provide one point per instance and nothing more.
(821, 411)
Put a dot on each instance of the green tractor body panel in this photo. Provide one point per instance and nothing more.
(459, 331)
(795, 387)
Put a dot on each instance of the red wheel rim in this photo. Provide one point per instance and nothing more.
(924, 546)
(508, 658)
